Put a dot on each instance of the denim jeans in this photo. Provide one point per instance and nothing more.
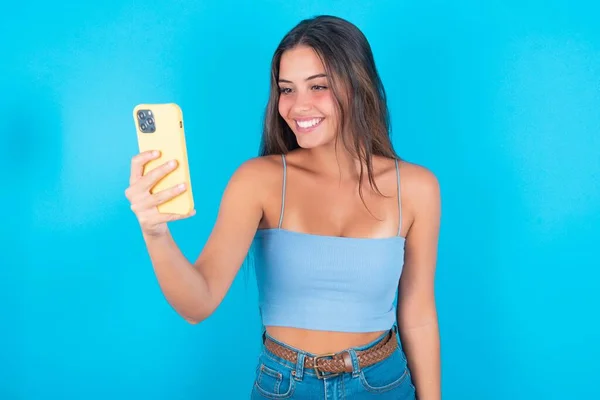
(277, 378)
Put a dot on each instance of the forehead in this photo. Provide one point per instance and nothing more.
(299, 63)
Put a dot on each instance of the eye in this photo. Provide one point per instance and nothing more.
(284, 90)
(319, 87)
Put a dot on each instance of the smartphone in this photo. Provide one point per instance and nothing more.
(160, 127)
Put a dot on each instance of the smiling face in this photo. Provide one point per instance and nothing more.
(306, 102)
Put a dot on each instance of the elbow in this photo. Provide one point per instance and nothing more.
(198, 316)
(192, 321)
(200, 310)
(195, 319)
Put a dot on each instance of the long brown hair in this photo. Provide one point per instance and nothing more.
(364, 122)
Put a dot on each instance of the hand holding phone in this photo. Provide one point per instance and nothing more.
(160, 186)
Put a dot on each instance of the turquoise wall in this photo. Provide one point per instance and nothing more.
(500, 99)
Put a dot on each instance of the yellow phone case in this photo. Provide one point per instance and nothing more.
(161, 128)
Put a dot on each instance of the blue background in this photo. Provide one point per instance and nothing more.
(500, 99)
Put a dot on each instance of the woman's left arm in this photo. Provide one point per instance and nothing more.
(417, 315)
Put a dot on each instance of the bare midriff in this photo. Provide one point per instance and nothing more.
(321, 342)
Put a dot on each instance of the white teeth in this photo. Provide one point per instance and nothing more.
(310, 123)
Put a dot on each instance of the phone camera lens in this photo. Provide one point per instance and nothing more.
(144, 127)
(150, 121)
(141, 115)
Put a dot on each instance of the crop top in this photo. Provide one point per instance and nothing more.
(330, 283)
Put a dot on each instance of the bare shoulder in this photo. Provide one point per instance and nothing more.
(420, 188)
(418, 178)
(259, 169)
(257, 176)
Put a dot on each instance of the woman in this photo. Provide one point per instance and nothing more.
(339, 227)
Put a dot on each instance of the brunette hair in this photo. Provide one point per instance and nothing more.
(364, 122)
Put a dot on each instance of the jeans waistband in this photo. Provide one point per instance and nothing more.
(303, 354)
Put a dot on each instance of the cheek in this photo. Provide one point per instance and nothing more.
(328, 108)
(284, 106)
(324, 101)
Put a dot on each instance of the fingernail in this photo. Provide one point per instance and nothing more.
(172, 163)
(181, 186)
(155, 153)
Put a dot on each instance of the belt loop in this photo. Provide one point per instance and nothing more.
(355, 366)
(299, 371)
(397, 336)
(396, 333)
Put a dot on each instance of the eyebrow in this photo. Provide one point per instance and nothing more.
(307, 79)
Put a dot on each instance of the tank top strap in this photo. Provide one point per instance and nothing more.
(282, 191)
(399, 199)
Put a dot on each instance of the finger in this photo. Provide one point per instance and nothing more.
(158, 198)
(143, 200)
(152, 177)
(167, 194)
(138, 162)
(174, 217)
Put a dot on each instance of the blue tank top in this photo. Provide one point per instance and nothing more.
(327, 283)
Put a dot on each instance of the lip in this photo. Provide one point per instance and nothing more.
(312, 128)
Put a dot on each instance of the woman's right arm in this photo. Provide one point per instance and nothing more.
(195, 290)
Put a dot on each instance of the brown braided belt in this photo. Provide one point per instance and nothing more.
(337, 363)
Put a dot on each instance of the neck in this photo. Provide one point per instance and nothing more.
(334, 161)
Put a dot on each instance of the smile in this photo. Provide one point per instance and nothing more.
(307, 125)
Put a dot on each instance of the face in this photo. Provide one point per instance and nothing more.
(306, 102)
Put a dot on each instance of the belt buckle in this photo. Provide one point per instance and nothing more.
(320, 374)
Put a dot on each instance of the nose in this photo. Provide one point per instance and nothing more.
(302, 102)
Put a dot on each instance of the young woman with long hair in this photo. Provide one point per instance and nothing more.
(344, 233)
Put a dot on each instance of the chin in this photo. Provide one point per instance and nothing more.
(313, 139)
(309, 142)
